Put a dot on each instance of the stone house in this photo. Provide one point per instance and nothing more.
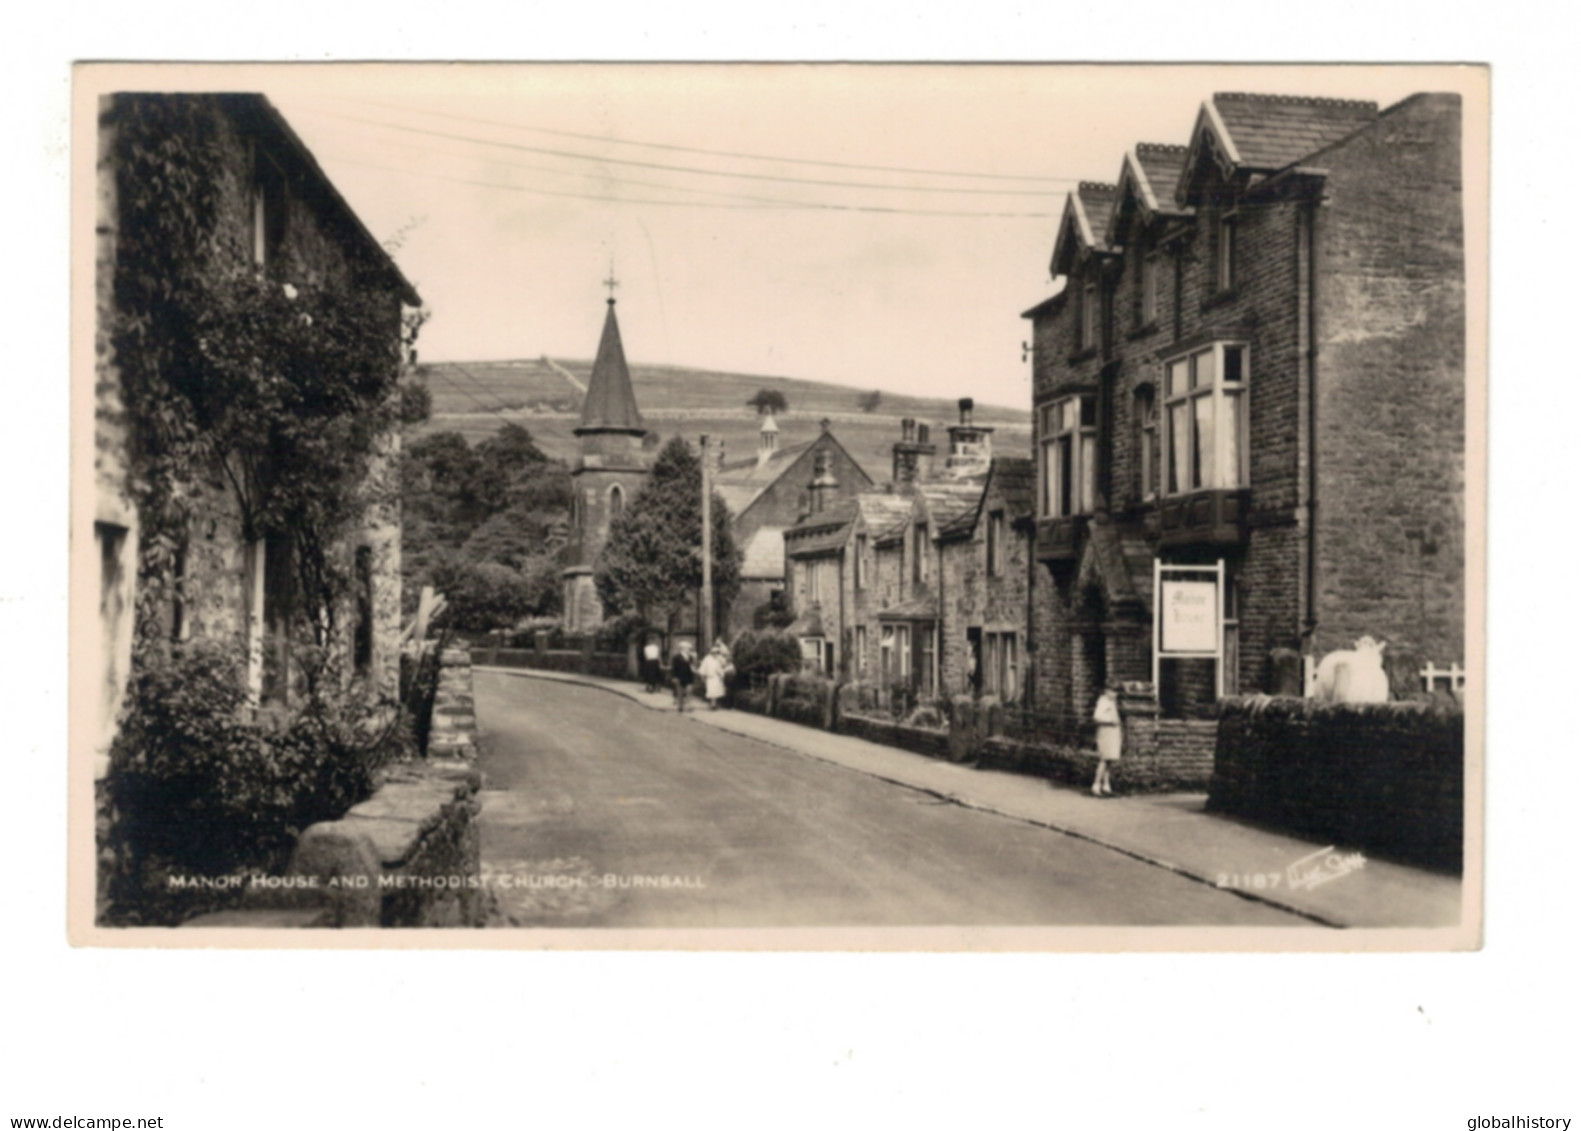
(275, 214)
(771, 491)
(983, 560)
(1256, 365)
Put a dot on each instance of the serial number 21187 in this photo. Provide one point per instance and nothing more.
(1260, 881)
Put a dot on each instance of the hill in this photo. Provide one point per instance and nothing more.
(545, 396)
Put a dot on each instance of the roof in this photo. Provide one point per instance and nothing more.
(1148, 177)
(741, 481)
(881, 510)
(918, 608)
(257, 110)
(1085, 220)
(610, 405)
(1267, 132)
(1272, 131)
(764, 554)
(949, 499)
(1016, 478)
(822, 533)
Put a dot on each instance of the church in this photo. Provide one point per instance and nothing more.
(615, 451)
(612, 467)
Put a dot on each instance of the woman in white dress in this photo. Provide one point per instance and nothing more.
(1107, 715)
(712, 669)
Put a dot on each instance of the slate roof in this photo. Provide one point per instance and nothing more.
(610, 405)
(882, 511)
(1086, 220)
(763, 557)
(918, 608)
(822, 533)
(951, 499)
(1017, 480)
(1160, 165)
(1273, 131)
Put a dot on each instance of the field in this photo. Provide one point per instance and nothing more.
(545, 397)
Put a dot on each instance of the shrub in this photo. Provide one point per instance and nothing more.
(198, 790)
(926, 716)
(758, 655)
(614, 634)
(484, 596)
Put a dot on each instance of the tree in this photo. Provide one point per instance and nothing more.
(871, 401)
(769, 400)
(653, 563)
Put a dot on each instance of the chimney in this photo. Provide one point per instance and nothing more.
(823, 486)
(719, 456)
(913, 455)
(971, 447)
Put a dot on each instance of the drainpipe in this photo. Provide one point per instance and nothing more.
(1308, 487)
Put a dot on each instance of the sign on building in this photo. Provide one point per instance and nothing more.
(1188, 616)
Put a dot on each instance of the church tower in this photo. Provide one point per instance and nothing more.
(610, 470)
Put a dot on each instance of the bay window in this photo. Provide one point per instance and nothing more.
(1205, 420)
(1069, 455)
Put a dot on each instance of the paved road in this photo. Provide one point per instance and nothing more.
(599, 812)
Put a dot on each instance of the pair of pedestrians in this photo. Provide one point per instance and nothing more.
(715, 671)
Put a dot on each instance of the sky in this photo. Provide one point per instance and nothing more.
(877, 226)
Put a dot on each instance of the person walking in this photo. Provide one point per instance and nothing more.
(1107, 715)
(712, 669)
(681, 675)
(652, 672)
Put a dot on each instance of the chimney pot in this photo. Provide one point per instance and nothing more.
(965, 404)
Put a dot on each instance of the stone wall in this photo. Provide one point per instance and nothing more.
(1386, 777)
(406, 857)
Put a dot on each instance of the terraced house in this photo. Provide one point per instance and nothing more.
(186, 321)
(1249, 402)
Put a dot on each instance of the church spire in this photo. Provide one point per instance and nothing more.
(611, 406)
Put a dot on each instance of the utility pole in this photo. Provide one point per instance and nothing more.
(706, 620)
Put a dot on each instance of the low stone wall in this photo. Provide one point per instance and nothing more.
(1386, 777)
(406, 857)
(608, 665)
(453, 731)
(919, 740)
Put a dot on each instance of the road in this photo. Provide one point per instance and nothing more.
(600, 812)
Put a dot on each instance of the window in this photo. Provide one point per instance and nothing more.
(903, 650)
(859, 565)
(926, 660)
(814, 594)
(1205, 425)
(1147, 306)
(996, 543)
(617, 502)
(1069, 452)
(268, 210)
(861, 650)
(999, 666)
(888, 668)
(1147, 413)
(362, 640)
(919, 553)
(1088, 329)
(1224, 253)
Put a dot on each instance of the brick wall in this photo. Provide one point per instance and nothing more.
(1390, 333)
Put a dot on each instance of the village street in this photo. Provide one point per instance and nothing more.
(600, 812)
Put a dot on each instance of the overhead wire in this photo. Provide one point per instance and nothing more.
(713, 152)
(693, 170)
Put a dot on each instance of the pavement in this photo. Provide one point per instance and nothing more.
(1174, 831)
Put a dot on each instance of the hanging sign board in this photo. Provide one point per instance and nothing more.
(1189, 617)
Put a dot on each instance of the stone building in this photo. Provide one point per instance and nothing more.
(770, 491)
(611, 469)
(1257, 359)
(275, 215)
(887, 586)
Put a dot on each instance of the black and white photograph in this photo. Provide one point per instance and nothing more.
(802, 506)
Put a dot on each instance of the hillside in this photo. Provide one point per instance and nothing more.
(545, 396)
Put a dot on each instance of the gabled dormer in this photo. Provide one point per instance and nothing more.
(1239, 139)
(1145, 192)
(1080, 252)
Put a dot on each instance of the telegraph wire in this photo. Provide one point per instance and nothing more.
(808, 207)
(680, 168)
(713, 152)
